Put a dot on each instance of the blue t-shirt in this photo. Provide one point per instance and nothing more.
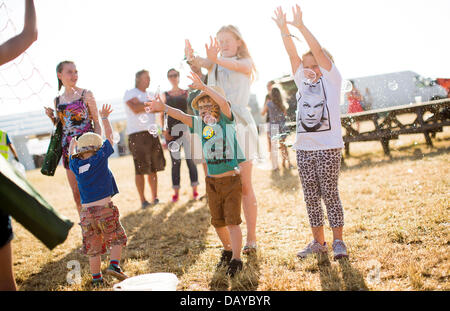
(95, 180)
(220, 146)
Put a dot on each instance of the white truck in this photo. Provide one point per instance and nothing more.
(394, 89)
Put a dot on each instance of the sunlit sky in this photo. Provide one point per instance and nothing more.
(109, 40)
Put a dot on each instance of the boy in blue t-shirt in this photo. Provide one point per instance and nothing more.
(99, 217)
(216, 128)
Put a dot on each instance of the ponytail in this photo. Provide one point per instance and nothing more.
(59, 69)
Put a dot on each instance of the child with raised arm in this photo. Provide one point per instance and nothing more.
(99, 217)
(319, 138)
(216, 128)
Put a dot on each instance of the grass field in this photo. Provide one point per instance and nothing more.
(396, 213)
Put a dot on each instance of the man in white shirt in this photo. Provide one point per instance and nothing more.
(143, 139)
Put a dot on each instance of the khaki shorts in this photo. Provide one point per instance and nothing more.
(147, 153)
(101, 229)
(224, 197)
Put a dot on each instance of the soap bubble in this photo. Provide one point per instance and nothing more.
(309, 76)
(346, 86)
(393, 85)
(173, 146)
(210, 120)
(116, 137)
(147, 110)
(143, 118)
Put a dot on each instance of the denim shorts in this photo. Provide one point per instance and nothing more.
(6, 233)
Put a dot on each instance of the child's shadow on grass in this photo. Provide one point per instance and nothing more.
(153, 235)
(171, 242)
(331, 279)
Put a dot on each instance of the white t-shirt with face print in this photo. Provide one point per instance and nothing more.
(318, 114)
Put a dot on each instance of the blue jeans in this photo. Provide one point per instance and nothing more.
(176, 166)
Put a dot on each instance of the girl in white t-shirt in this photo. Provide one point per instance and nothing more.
(319, 138)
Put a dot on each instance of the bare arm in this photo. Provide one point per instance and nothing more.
(72, 145)
(104, 114)
(280, 20)
(244, 66)
(265, 109)
(198, 84)
(196, 61)
(135, 105)
(313, 44)
(18, 44)
(92, 105)
(51, 113)
(157, 105)
(239, 65)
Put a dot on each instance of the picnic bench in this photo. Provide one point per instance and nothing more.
(388, 126)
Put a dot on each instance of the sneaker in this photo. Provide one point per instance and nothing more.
(313, 248)
(225, 258)
(195, 194)
(339, 249)
(234, 267)
(145, 204)
(156, 201)
(116, 272)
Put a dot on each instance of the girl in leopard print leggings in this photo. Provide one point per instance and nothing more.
(319, 172)
(319, 134)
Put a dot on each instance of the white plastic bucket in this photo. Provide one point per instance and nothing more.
(149, 282)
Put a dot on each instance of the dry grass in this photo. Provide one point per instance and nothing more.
(397, 228)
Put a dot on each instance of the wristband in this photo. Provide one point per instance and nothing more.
(104, 118)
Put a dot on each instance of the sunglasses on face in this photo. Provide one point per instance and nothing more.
(173, 76)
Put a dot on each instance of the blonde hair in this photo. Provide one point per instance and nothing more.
(310, 53)
(242, 51)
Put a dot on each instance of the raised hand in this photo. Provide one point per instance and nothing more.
(188, 50)
(197, 83)
(280, 18)
(106, 111)
(297, 17)
(212, 50)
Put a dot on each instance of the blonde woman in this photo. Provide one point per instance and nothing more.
(231, 67)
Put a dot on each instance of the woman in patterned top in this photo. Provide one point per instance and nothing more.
(77, 110)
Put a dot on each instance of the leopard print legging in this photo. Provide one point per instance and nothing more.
(319, 172)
